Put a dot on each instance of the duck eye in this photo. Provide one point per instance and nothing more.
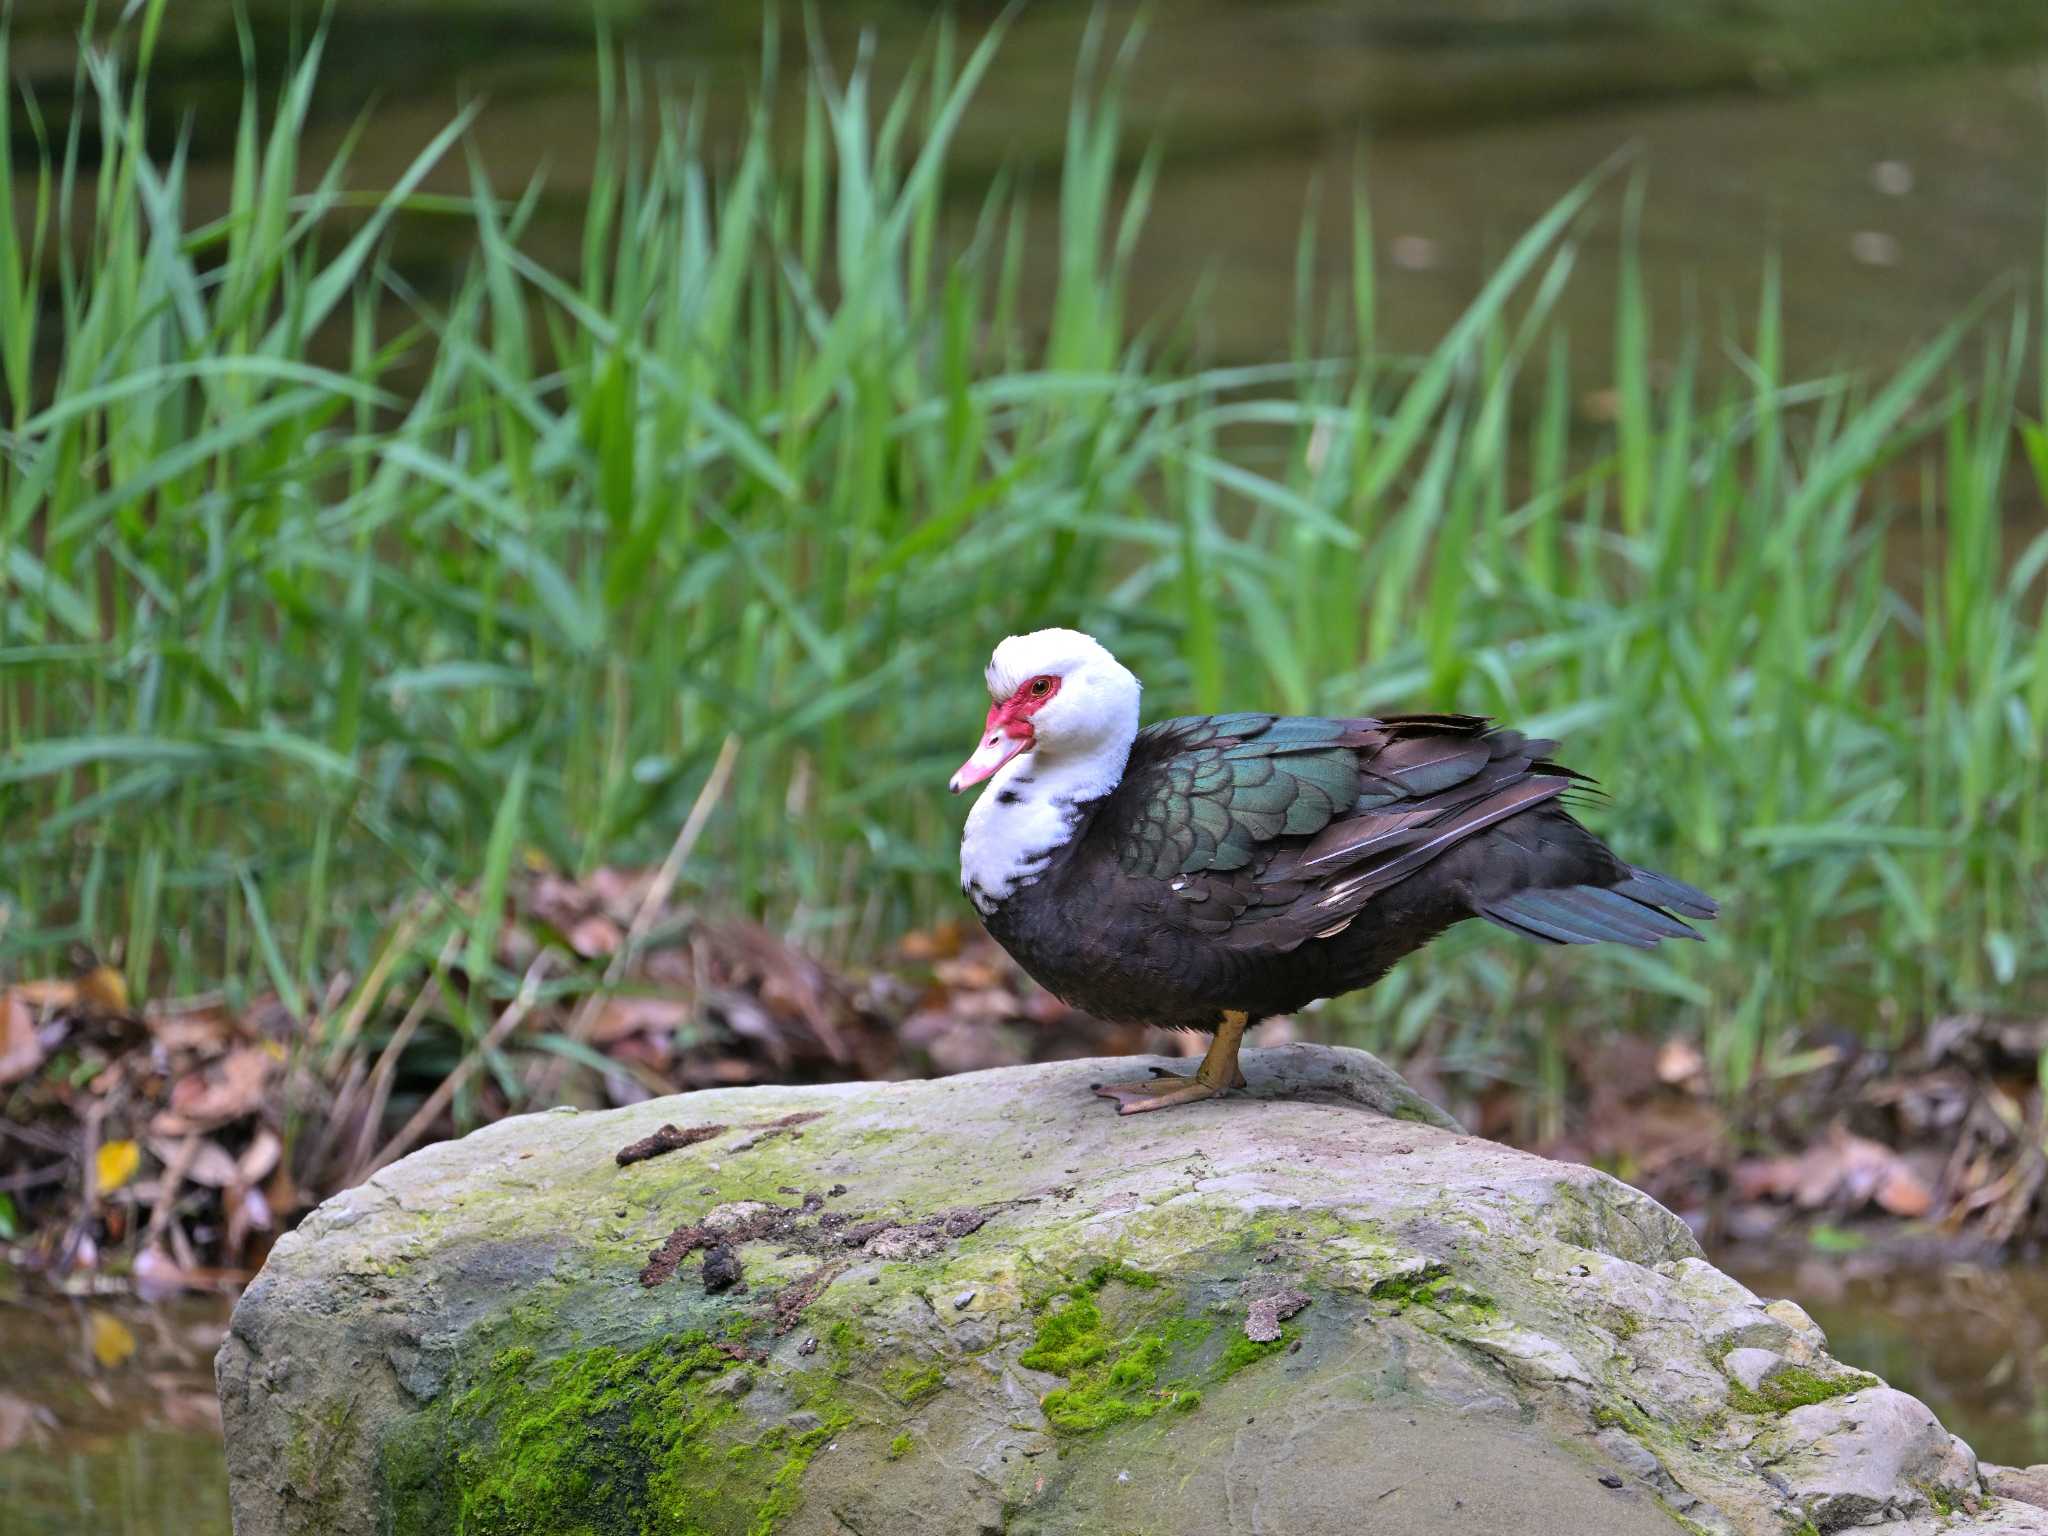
(1040, 687)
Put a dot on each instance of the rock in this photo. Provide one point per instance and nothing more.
(1793, 1316)
(1467, 1337)
(1752, 1366)
(736, 1383)
(2029, 1485)
(1868, 1456)
(1768, 1329)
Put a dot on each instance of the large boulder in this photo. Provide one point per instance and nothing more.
(988, 1304)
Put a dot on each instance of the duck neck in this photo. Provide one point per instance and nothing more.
(1033, 807)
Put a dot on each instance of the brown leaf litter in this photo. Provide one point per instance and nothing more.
(742, 1221)
(663, 999)
(671, 1000)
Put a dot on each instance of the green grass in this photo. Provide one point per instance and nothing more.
(321, 593)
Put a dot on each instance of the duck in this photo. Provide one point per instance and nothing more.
(1208, 872)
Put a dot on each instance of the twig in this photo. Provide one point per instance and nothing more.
(49, 1173)
(336, 1120)
(585, 1018)
(168, 1188)
(423, 1117)
(40, 1139)
(373, 984)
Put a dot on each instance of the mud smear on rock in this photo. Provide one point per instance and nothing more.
(669, 1138)
(834, 1236)
(672, 1138)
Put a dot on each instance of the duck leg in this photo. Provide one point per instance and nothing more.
(1216, 1076)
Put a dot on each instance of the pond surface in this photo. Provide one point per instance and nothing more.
(108, 1424)
(1892, 156)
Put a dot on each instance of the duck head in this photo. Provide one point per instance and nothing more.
(1059, 696)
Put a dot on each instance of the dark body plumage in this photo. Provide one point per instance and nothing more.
(1257, 863)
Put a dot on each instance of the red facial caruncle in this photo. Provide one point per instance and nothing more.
(1008, 731)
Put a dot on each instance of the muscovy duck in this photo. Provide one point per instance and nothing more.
(1207, 872)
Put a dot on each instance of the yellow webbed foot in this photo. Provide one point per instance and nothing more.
(1216, 1076)
(1161, 1092)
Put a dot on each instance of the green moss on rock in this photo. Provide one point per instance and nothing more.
(600, 1442)
(1111, 1378)
(1115, 1377)
(846, 1343)
(1123, 1274)
(909, 1383)
(1241, 1351)
(1795, 1387)
(1434, 1286)
(1619, 1415)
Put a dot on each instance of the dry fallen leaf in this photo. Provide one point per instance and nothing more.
(112, 1342)
(1680, 1064)
(226, 1090)
(49, 995)
(179, 1408)
(624, 1016)
(103, 990)
(157, 1275)
(1843, 1170)
(20, 1052)
(115, 1164)
(923, 945)
(596, 936)
(259, 1157)
(206, 1030)
(208, 1162)
(20, 1419)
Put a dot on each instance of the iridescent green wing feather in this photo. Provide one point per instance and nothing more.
(1209, 790)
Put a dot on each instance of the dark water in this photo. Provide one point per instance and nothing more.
(128, 1443)
(108, 1422)
(1893, 155)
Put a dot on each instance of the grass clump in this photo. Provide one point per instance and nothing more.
(1940, 1499)
(899, 1447)
(321, 598)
